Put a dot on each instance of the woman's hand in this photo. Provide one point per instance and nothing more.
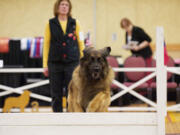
(46, 72)
(140, 46)
(135, 48)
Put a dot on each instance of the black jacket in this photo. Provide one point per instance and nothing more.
(140, 35)
(63, 47)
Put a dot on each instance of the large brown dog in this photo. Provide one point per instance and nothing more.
(89, 89)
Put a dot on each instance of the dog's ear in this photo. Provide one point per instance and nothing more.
(106, 51)
(82, 60)
(87, 50)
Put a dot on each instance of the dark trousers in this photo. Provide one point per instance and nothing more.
(60, 75)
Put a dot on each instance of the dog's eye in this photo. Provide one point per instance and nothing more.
(99, 59)
(92, 59)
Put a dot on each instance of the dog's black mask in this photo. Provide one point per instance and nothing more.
(94, 63)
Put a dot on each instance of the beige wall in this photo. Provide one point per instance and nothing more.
(26, 18)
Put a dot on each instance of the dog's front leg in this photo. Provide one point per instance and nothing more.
(99, 103)
(78, 108)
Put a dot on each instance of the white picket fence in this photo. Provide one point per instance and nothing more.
(151, 122)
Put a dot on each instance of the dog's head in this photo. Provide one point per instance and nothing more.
(94, 63)
(26, 92)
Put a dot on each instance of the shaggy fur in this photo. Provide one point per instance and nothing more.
(89, 89)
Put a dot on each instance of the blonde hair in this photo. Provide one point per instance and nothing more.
(56, 7)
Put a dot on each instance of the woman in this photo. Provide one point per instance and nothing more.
(137, 34)
(63, 47)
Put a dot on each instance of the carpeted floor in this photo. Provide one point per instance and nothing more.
(173, 123)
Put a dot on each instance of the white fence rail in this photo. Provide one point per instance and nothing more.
(78, 123)
(19, 90)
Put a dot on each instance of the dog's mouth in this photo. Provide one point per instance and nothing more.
(95, 71)
(95, 75)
